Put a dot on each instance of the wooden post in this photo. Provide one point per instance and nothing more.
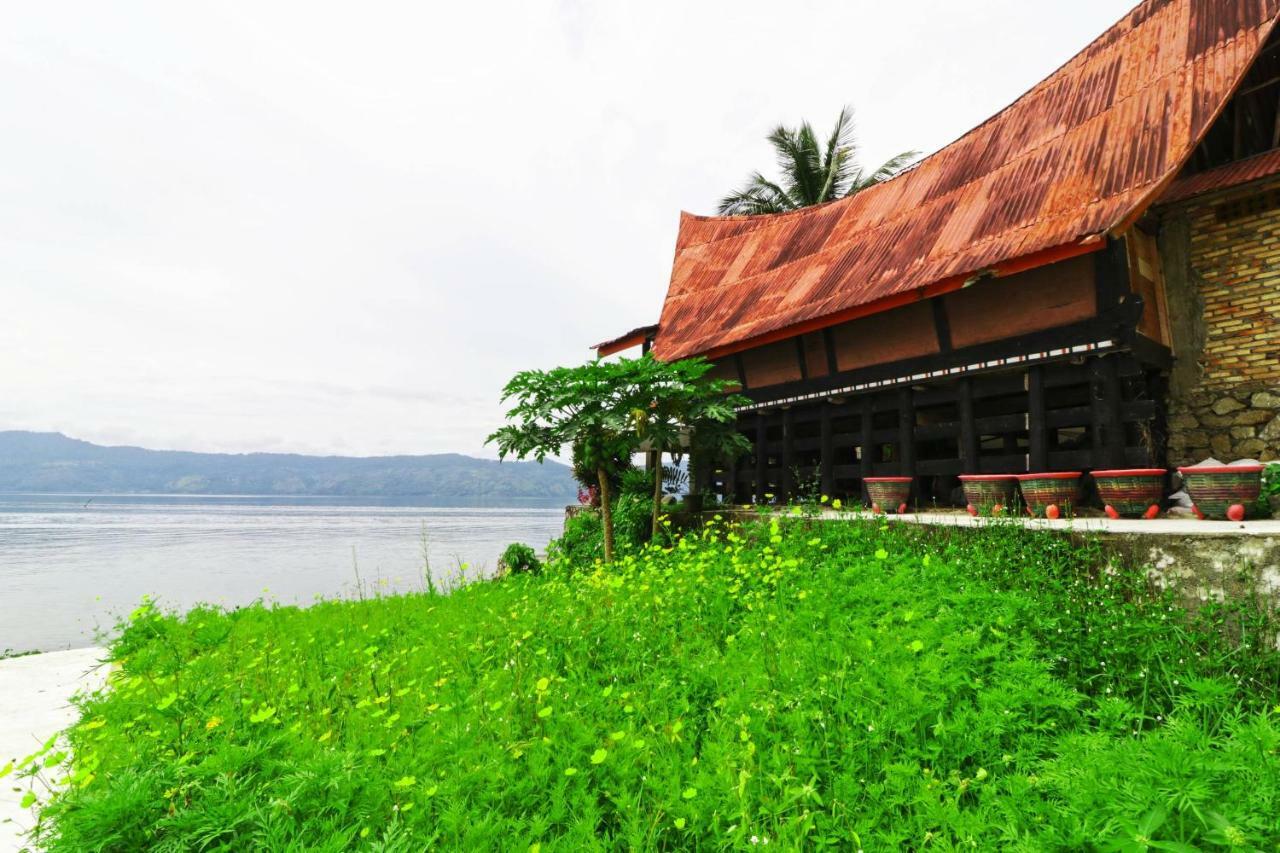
(968, 430)
(827, 462)
(1104, 399)
(762, 454)
(1037, 429)
(786, 480)
(867, 467)
(906, 432)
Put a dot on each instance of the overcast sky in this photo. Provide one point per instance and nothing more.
(339, 228)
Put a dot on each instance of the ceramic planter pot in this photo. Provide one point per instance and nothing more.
(1223, 491)
(990, 493)
(1051, 494)
(1131, 492)
(889, 494)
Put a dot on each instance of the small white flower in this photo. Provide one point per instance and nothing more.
(755, 840)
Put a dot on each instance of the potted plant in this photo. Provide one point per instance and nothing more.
(889, 492)
(993, 493)
(1131, 492)
(1222, 491)
(1050, 494)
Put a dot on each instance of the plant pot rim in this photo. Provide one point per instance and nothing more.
(1050, 475)
(887, 479)
(1221, 469)
(986, 478)
(1130, 472)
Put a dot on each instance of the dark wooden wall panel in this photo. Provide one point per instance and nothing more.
(905, 332)
(1055, 295)
(772, 364)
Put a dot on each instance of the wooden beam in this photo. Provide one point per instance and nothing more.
(1104, 326)
(906, 433)
(827, 461)
(941, 324)
(804, 367)
(787, 480)
(742, 369)
(1037, 429)
(968, 432)
(829, 340)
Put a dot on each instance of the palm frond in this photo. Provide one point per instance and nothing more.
(888, 169)
(758, 196)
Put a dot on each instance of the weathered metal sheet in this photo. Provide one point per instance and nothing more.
(1081, 153)
(1223, 177)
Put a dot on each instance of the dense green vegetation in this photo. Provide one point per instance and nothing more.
(855, 685)
(51, 462)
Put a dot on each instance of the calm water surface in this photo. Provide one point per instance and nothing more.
(69, 565)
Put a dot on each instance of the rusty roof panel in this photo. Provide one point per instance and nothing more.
(1224, 177)
(1083, 152)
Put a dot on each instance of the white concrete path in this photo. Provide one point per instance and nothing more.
(33, 705)
(1165, 526)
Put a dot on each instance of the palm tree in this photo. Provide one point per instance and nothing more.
(811, 173)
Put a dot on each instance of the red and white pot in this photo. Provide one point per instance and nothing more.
(889, 494)
(989, 493)
(1131, 492)
(1051, 494)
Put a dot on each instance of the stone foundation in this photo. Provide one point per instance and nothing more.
(1239, 422)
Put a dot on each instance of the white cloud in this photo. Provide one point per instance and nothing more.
(340, 228)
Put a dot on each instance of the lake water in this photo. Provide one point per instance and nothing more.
(69, 565)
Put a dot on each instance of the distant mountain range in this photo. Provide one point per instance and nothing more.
(52, 462)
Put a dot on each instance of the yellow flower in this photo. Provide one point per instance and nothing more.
(213, 723)
(835, 504)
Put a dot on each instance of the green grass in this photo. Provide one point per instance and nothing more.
(842, 685)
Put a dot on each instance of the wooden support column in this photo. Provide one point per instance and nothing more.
(868, 466)
(1037, 428)
(906, 432)
(1104, 399)
(786, 480)
(827, 462)
(762, 460)
(968, 429)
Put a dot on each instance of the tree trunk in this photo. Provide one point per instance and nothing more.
(657, 495)
(606, 513)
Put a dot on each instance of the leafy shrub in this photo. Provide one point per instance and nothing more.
(581, 543)
(519, 557)
(843, 685)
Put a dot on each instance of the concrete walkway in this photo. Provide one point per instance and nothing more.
(1154, 526)
(33, 705)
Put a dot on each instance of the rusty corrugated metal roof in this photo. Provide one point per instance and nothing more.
(1082, 153)
(1224, 177)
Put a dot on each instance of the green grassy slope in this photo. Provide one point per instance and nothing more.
(846, 685)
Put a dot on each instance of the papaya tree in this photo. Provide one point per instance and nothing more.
(689, 411)
(606, 410)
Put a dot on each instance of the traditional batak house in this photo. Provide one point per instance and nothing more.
(1089, 279)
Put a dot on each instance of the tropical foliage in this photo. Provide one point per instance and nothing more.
(605, 410)
(806, 685)
(810, 171)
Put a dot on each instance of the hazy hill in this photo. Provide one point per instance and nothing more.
(52, 462)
